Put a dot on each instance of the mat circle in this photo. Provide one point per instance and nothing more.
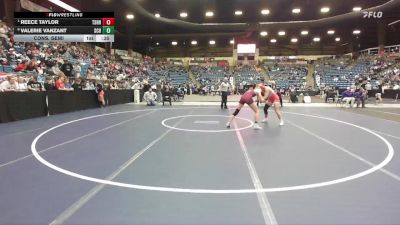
(164, 123)
(387, 159)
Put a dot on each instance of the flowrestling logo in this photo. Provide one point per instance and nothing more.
(372, 14)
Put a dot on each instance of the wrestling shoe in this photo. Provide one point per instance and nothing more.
(256, 126)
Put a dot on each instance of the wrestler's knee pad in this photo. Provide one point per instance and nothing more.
(266, 107)
(236, 112)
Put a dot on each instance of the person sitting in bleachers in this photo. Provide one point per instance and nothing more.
(67, 68)
(34, 85)
(22, 66)
(21, 84)
(10, 84)
(60, 83)
(77, 85)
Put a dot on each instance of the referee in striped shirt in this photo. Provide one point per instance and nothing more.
(224, 88)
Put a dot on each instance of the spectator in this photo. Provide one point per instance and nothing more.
(89, 85)
(22, 66)
(67, 84)
(67, 68)
(368, 86)
(10, 84)
(397, 88)
(78, 86)
(49, 84)
(60, 83)
(136, 86)
(293, 96)
(77, 70)
(100, 95)
(348, 97)
(32, 66)
(359, 96)
(167, 95)
(33, 85)
(159, 94)
(150, 97)
(113, 86)
(331, 94)
(21, 84)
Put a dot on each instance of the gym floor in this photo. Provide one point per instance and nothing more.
(131, 164)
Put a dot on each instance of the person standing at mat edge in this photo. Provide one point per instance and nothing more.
(247, 98)
(224, 88)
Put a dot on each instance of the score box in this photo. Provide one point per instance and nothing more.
(104, 38)
(108, 21)
(108, 30)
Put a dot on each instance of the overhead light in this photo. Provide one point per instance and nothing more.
(263, 33)
(357, 9)
(356, 31)
(325, 9)
(265, 11)
(209, 14)
(130, 16)
(194, 42)
(273, 40)
(294, 40)
(232, 42)
(304, 32)
(238, 12)
(281, 33)
(316, 39)
(330, 32)
(64, 5)
(157, 15)
(337, 39)
(174, 43)
(183, 14)
(157, 43)
(296, 10)
(212, 42)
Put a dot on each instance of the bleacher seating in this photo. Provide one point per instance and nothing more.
(209, 74)
(288, 75)
(340, 76)
(246, 75)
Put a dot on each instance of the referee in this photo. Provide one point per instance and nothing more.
(224, 88)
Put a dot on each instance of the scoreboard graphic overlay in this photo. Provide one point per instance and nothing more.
(64, 26)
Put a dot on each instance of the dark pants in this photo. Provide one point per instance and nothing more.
(224, 99)
(360, 100)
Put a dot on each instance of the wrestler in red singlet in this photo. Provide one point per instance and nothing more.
(271, 98)
(247, 98)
